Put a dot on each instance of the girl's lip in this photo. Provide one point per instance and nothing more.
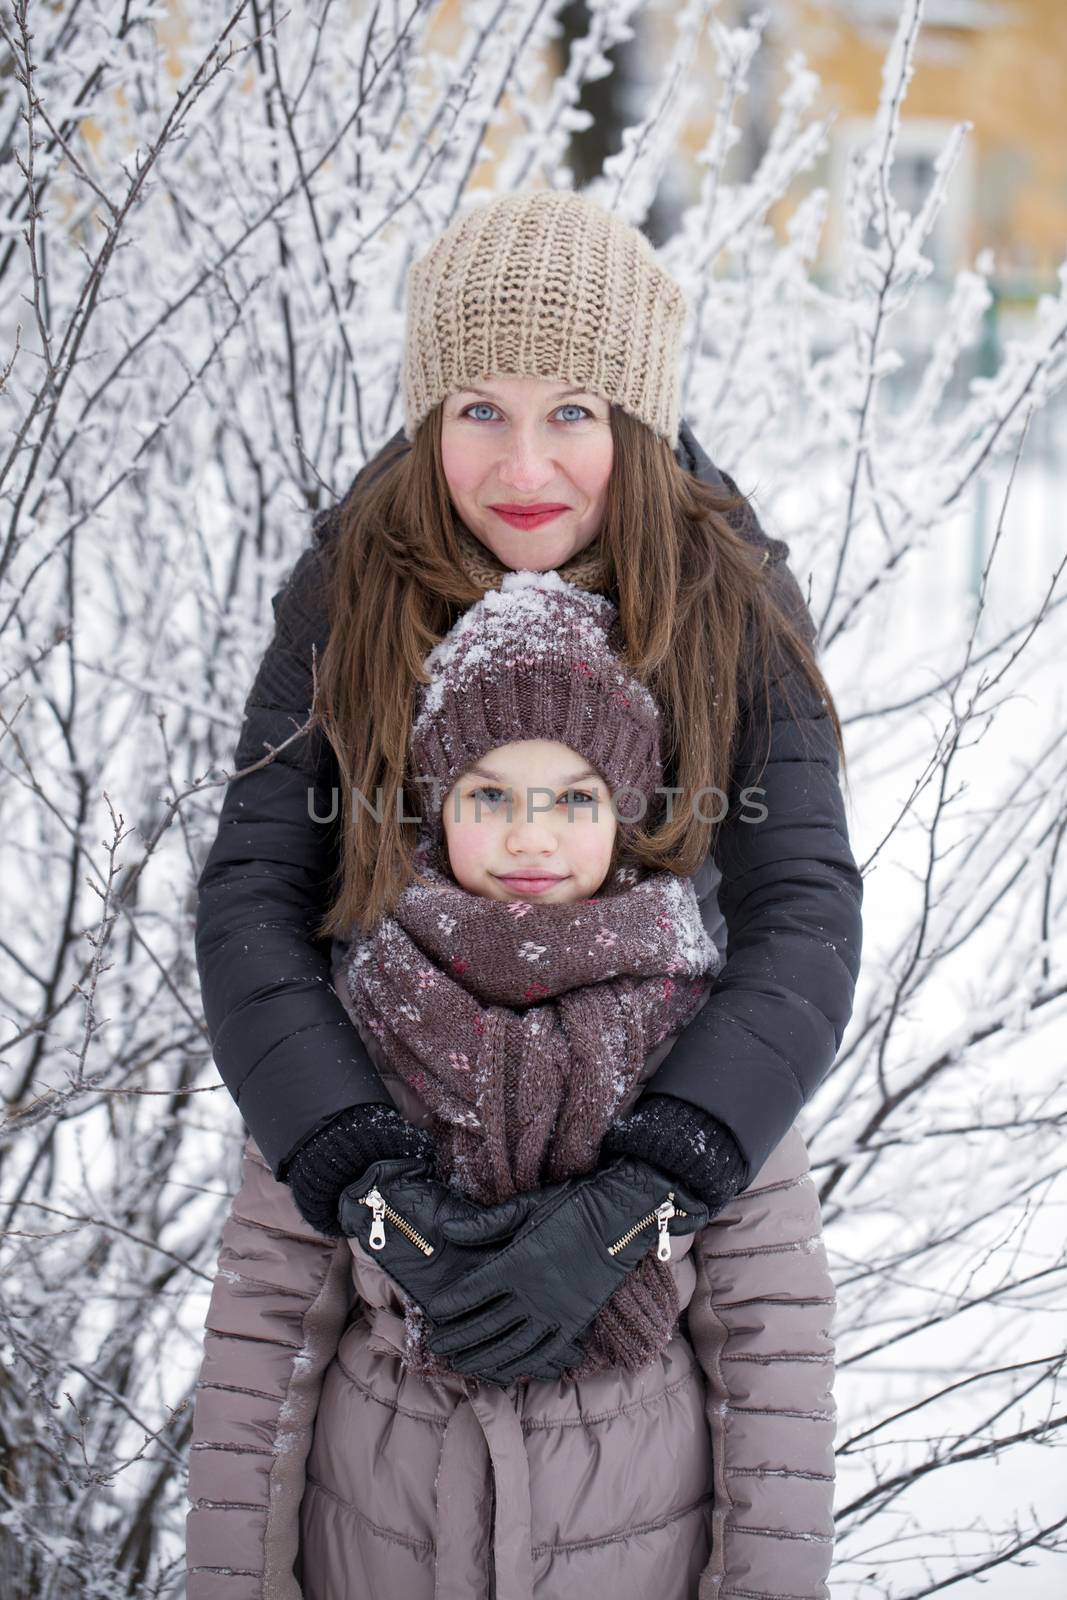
(533, 883)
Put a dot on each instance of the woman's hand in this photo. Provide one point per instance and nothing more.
(521, 1312)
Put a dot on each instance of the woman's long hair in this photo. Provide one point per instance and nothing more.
(701, 629)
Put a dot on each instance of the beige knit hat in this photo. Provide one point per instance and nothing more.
(544, 284)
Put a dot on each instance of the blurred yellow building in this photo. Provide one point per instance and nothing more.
(999, 64)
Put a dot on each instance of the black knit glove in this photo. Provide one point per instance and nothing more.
(322, 1169)
(522, 1312)
(684, 1142)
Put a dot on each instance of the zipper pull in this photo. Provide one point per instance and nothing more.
(663, 1215)
(377, 1205)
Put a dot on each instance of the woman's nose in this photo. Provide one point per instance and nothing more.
(526, 462)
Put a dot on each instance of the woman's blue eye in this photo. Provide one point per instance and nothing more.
(569, 405)
(581, 794)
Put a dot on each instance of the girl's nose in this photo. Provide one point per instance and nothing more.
(531, 833)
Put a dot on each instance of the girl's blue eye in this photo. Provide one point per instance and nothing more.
(491, 788)
(568, 405)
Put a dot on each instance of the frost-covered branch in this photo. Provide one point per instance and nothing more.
(206, 223)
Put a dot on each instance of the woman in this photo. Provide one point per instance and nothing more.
(524, 299)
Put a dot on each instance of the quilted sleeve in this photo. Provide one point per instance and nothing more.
(278, 1307)
(283, 1044)
(760, 1324)
(791, 894)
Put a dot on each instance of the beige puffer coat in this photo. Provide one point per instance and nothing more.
(322, 1468)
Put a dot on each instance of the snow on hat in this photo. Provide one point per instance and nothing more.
(536, 659)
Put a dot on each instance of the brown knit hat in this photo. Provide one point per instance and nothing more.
(536, 659)
(547, 284)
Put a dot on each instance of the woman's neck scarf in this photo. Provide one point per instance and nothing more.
(586, 569)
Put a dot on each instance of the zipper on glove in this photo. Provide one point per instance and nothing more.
(382, 1209)
(661, 1216)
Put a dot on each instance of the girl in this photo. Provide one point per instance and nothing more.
(343, 1444)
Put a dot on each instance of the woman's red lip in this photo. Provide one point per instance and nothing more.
(529, 511)
(527, 517)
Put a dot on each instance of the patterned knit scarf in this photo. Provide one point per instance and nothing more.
(521, 1027)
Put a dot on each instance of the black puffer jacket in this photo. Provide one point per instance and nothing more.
(790, 893)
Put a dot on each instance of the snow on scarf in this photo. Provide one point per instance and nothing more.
(521, 1027)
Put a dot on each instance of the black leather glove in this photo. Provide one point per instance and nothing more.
(521, 1313)
(398, 1212)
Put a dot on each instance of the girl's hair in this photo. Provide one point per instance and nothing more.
(701, 626)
